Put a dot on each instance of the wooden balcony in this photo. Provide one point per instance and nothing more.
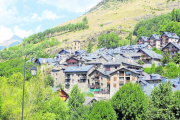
(127, 81)
(121, 82)
(83, 77)
(121, 74)
(96, 75)
(95, 87)
(97, 80)
(68, 77)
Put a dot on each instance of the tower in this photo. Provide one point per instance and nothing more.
(76, 45)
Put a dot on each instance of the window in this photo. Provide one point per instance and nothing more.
(78, 75)
(56, 78)
(78, 81)
(133, 78)
(72, 75)
(121, 78)
(56, 74)
(72, 80)
(101, 84)
(114, 84)
(114, 78)
(115, 67)
(101, 78)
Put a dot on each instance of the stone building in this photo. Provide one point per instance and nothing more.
(77, 75)
(58, 74)
(121, 77)
(76, 45)
(172, 48)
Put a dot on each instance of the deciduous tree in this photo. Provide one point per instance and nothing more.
(130, 102)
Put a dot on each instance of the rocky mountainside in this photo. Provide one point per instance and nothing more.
(11, 42)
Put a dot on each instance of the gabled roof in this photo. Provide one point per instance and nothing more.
(173, 43)
(94, 61)
(78, 69)
(101, 71)
(45, 60)
(126, 69)
(151, 53)
(80, 52)
(88, 100)
(144, 38)
(157, 37)
(171, 35)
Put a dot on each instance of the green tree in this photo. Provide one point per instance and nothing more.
(81, 113)
(159, 70)
(0, 106)
(140, 62)
(156, 50)
(172, 70)
(130, 102)
(176, 58)
(85, 20)
(89, 49)
(166, 58)
(129, 37)
(49, 80)
(176, 104)
(76, 99)
(173, 15)
(161, 103)
(102, 111)
(153, 68)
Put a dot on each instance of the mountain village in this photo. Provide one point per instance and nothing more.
(105, 71)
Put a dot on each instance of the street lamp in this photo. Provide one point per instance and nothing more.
(33, 72)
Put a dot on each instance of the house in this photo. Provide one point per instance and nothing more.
(58, 74)
(80, 52)
(76, 45)
(45, 61)
(142, 40)
(149, 56)
(64, 52)
(63, 95)
(118, 62)
(120, 77)
(89, 100)
(169, 37)
(99, 79)
(172, 48)
(155, 41)
(74, 61)
(77, 75)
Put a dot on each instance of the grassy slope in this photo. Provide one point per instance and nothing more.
(126, 14)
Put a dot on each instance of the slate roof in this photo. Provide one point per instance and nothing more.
(80, 52)
(88, 100)
(49, 60)
(100, 49)
(157, 37)
(94, 61)
(171, 35)
(144, 38)
(78, 69)
(173, 43)
(76, 41)
(119, 60)
(102, 71)
(152, 54)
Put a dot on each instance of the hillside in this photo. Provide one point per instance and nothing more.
(115, 16)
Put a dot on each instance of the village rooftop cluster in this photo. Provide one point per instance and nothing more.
(105, 71)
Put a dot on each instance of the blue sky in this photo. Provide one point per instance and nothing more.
(26, 17)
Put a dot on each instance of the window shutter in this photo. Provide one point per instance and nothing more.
(114, 84)
(114, 78)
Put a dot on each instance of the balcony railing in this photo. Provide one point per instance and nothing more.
(121, 82)
(68, 77)
(97, 80)
(96, 76)
(121, 74)
(95, 87)
(83, 77)
(67, 83)
(127, 81)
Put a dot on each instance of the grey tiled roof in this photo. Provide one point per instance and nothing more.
(145, 38)
(157, 37)
(171, 35)
(88, 100)
(76, 41)
(152, 54)
(45, 60)
(79, 69)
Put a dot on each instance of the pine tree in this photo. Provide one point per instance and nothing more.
(89, 49)
(166, 58)
(173, 15)
(176, 58)
(153, 68)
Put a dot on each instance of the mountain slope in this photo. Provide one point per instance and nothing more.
(115, 16)
(11, 42)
